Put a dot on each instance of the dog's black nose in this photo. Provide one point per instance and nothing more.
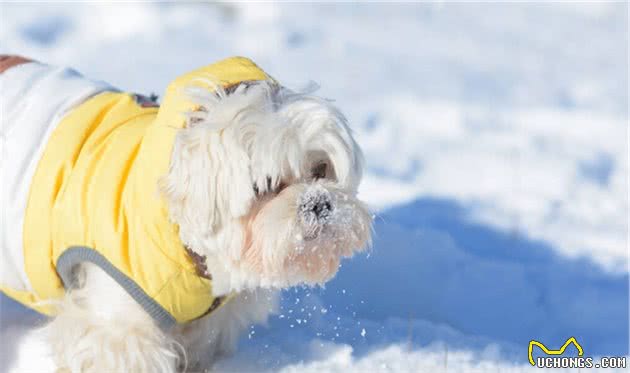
(321, 208)
(316, 206)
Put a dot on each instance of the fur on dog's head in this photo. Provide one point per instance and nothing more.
(263, 184)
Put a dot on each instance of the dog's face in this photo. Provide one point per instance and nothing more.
(263, 183)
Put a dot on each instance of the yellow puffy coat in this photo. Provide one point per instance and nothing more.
(94, 198)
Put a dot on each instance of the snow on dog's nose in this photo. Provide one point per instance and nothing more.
(315, 208)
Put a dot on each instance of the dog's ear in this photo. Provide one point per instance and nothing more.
(209, 177)
(186, 191)
(208, 180)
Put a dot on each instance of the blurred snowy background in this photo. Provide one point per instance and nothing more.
(496, 138)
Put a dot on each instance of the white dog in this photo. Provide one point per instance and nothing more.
(155, 236)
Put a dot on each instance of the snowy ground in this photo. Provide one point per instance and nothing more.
(497, 148)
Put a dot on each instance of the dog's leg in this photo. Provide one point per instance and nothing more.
(100, 328)
(216, 335)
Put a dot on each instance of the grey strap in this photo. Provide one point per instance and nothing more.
(78, 254)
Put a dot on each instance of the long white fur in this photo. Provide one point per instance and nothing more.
(254, 244)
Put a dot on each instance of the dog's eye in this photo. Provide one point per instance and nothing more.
(319, 171)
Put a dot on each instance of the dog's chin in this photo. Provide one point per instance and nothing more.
(286, 245)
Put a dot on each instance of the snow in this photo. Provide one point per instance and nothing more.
(496, 140)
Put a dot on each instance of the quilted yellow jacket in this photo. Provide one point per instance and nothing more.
(94, 198)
